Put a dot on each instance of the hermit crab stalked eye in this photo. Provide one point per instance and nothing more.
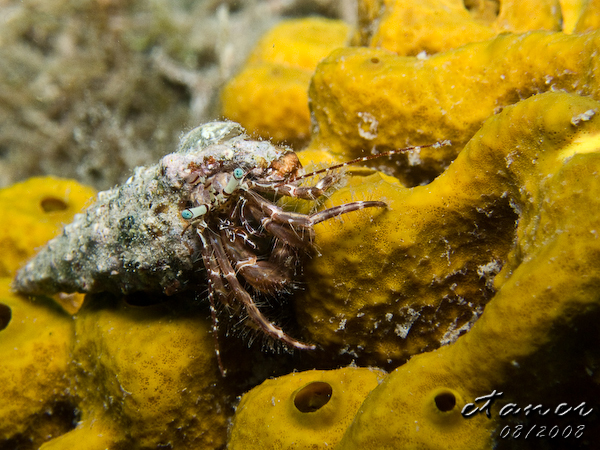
(193, 213)
(238, 173)
(234, 181)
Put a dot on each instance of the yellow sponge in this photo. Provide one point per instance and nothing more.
(301, 410)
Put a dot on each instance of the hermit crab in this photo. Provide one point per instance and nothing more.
(211, 205)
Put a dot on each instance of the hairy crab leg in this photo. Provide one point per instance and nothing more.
(214, 273)
(292, 190)
(288, 225)
(242, 295)
(215, 283)
(265, 276)
(242, 205)
(360, 159)
(330, 213)
(281, 223)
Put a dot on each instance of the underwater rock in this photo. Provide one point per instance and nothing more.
(301, 410)
(92, 89)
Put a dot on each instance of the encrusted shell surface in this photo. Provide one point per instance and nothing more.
(132, 238)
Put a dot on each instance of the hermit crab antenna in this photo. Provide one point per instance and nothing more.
(370, 157)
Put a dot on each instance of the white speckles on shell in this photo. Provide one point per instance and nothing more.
(175, 168)
(236, 151)
(208, 134)
(132, 238)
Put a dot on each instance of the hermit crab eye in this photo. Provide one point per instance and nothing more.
(192, 213)
(238, 173)
(234, 181)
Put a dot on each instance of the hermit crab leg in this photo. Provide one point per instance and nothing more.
(240, 293)
(286, 258)
(330, 213)
(398, 151)
(293, 190)
(265, 276)
(293, 228)
(241, 207)
(215, 284)
(232, 234)
(286, 225)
